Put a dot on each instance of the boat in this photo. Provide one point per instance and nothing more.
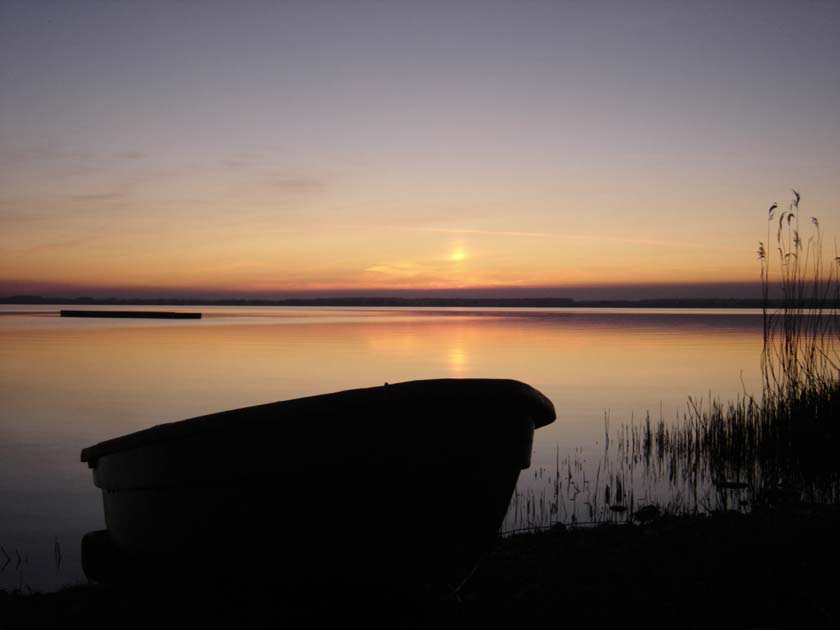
(130, 314)
(404, 482)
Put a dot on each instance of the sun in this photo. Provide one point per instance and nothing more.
(458, 254)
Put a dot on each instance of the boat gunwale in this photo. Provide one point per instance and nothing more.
(541, 410)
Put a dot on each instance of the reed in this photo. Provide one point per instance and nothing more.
(801, 355)
(771, 449)
(782, 442)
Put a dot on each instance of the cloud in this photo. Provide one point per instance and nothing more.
(547, 235)
(15, 216)
(130, 155)
(444, 230)
(51, 245)
(430, 272)
(298, 184)
(13, 156)
(399, 269)
(106, 196)
(242, 159)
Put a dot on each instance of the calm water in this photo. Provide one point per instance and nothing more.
(68, 383)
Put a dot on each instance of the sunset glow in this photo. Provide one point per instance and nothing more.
(368, 312)
(406, 147)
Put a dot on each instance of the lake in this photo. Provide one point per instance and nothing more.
(68, 383)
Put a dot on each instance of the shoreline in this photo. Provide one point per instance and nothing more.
(396, 302)
(760, 569)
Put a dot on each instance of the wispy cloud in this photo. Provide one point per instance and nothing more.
(546, 235)
(298, 184)
(16, 155)
(399, 269)
(8, 217)
(130, 155)
(526, 234)
(53, 245)
(105, 196)
(445, 230)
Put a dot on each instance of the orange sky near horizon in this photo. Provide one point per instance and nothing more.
(379, 258)
(246, 251)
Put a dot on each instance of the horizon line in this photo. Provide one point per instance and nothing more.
(636, 291)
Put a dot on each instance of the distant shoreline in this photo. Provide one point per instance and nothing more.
(374, 301)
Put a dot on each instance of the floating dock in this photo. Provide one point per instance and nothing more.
(132, 314)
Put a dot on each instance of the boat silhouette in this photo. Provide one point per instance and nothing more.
(406, 482)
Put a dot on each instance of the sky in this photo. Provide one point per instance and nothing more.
(276, 148)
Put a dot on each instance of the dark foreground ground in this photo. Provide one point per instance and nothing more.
(773, 568)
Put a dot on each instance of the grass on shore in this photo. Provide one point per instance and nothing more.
(777, 448)
(781, 446)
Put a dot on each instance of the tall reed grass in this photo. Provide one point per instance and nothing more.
(801, 354)
(787, 436)
(779, 446)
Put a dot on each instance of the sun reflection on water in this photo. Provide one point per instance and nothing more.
(457, 358)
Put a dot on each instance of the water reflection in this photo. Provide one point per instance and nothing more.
(66, 384)
(457, 359)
